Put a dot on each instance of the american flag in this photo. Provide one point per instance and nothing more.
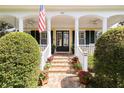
(41, 20)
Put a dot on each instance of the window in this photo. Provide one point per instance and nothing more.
(90, 36)
(87, 37)
(36, 35)
(81, 37)
(44, 38)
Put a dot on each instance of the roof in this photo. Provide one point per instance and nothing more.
(62, 7)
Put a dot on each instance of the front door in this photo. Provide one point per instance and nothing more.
(62, 41)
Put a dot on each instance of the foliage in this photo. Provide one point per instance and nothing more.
(77, 66)
(85, 77)
(47, 66)
(109, 59)
(91, 62)
(43, 75)
(19, 60)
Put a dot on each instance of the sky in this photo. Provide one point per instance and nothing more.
(61, 2)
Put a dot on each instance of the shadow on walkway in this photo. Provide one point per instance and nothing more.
(70, 82)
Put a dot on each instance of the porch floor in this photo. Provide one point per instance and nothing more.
(61, 73)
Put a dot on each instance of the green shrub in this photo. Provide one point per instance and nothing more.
(91, 61)
(19, 60)
(109, 59)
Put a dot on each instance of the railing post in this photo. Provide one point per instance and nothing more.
(85, 62)
(42, 62)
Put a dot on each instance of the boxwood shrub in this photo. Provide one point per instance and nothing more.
(19, 60)
(109, 59)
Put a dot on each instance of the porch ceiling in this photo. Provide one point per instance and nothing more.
(84, 22)
(115, 19)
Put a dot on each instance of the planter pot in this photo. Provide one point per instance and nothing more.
(53, 51)
(83, 81)
(90, 70)
(43, 82)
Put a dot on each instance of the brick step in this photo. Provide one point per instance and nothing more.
(65, 70)
(59, 68)
(60, 65)
(60, 57)
(64, 59)
(60, 61)
(56, 60)
(61, 74)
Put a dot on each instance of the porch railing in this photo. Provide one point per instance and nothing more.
(44, 55)
(43, 47)
(88, 48)
(83, 58)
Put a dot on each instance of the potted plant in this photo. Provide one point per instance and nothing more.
(53, 48)
(43, 78)
(74, 60)
(77, 67)
(47, 66)
(72, 48)
(49, 59)
(85, 77)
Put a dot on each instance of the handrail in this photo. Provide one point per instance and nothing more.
(83, 58)
(43, 47)
(44, 55)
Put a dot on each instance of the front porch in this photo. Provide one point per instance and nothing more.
(70, 35)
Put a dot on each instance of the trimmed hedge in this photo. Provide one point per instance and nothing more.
(19, 60)
(109, 59)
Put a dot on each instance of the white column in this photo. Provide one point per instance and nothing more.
(76, 34)
(20, 24)
(104, 25)
(49, 34)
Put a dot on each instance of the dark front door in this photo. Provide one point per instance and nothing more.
(62, 40)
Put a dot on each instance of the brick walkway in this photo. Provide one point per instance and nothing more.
(61, 74)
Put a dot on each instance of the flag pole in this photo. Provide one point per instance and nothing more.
(41, 27)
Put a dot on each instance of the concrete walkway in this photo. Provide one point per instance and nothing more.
(61, 74)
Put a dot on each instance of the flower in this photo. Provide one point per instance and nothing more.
(85, 77)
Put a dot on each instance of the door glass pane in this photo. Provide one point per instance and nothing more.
(59, 39)
(65, 39)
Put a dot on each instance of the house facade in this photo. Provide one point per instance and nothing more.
(68, 27)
